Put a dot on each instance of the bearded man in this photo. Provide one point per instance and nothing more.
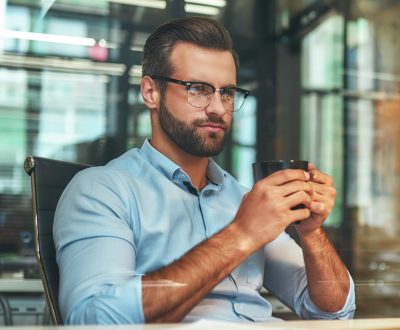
(163, 234)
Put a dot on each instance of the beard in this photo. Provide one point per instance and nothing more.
(186, 136)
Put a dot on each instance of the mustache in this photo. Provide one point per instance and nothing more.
(214, 120)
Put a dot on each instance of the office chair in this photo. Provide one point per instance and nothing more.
(48, 179)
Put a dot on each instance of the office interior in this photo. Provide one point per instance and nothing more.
(324, 78)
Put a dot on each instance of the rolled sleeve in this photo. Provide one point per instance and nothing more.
(285, 276)
(117, 304)
(310, 311)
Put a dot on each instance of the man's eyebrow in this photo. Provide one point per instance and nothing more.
(210, 83)
(229, 86)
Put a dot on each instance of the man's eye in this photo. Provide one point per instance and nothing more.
(199, 89)
(228, 92)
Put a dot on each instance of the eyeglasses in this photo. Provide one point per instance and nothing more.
(199, 94)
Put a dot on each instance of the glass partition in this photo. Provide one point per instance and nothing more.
(70, 89)
(351, 127)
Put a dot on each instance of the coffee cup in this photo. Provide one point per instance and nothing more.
(264, 168)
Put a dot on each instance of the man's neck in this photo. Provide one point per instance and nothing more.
(195, 167)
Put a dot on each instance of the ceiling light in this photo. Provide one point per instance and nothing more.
(206, 10)
(60, 39)
(213, 3)
(158, 4)
(136, 48)
(62, 65)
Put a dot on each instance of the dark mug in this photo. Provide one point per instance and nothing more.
(264, 168)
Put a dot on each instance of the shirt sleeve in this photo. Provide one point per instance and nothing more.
(310, 311)
(95, 249)
(285, 277)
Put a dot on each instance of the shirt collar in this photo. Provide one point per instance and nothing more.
(172, 171)
(215, 174)
(161, 162)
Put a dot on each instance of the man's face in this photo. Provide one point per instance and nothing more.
(199, 132)
(188, 135)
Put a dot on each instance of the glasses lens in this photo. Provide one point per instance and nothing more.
(232, 98)
(199, 95)
(238, 100)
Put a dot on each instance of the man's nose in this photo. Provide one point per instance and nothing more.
(216, 106)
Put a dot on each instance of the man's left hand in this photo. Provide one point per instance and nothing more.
(323, 200)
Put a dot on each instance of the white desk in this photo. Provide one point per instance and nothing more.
(359, 324)
(20, 286)
(21, 298)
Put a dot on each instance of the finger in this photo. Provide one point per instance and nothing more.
(329, 202)
(320, 198)
(311, 166)
(299, 214)
(300, 197)
(318, 208)
(284, 176)
(324, 190)
(295, 186)
(319, 177)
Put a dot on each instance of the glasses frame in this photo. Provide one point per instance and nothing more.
(188, 84)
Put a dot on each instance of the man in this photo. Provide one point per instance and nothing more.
(163, 234)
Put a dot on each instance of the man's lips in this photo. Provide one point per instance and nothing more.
(213, 126)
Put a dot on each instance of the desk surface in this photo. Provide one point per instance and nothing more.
(23, 286)
(358, 324)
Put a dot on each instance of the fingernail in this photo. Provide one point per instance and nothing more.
(307, 175)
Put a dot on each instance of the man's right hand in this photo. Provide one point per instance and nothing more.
(267, 209)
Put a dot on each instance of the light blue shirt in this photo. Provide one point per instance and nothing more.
(137, 214)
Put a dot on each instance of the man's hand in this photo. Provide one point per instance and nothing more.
(323, 200)
(267, 209)
(327, 277)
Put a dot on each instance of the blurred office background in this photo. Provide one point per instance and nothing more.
(325, 82)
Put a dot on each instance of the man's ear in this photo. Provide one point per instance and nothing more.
(150, 93)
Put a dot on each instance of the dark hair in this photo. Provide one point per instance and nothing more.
(200, 31)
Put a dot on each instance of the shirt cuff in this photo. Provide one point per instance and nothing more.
(128, 300)
(118, 304)
(310, 311)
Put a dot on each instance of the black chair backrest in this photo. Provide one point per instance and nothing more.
(48, 179)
